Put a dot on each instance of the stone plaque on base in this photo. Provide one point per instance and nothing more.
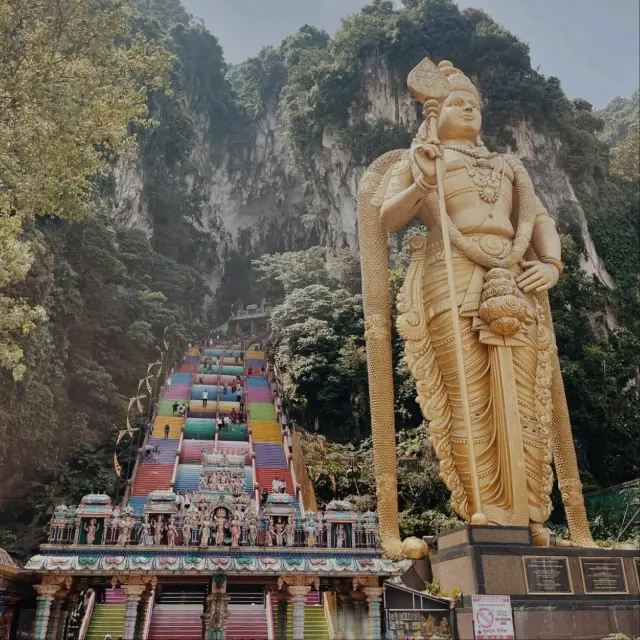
(547, 575)
(603, 575)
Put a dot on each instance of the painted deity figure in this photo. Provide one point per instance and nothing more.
(236, 530)
(279, 533)
(158, 528)
(205, 530)
(172, 532)
(252, 532)
(310, 528)
(341, 536)
(220, 527)
(187, 530)
(504, 257)
(92, 530)
(269, 533)
(145, 536)
(290, 532)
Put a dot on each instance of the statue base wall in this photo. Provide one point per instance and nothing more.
(555, 592)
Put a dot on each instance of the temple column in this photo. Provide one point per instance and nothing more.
(280, 631)
(343, 616)
(60, 598)
(132, 595)
(298, 594)
(373, 600)
(46, 593)
(359, 626)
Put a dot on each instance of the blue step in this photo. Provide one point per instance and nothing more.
(248, 472)
(168, 450)
(137, 503)
(188, 477)
(257, 382)
(197, 389)
(255, 362)
(269, 455)
(181, 378)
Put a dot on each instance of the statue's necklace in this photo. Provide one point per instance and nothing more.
(488, 178)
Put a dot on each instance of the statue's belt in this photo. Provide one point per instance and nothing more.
(492, 245)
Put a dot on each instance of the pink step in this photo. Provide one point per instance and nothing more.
(247, 622)
(258, 394)
(313, 597)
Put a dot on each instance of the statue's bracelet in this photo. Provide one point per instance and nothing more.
(423, 185)
(556, 263)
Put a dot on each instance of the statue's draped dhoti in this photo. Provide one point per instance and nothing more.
(512, 447)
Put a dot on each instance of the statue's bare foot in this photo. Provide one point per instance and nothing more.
(543, 537)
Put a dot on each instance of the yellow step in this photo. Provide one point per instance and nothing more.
(266, 431)
(254, 354)
(196, 405)
(175, 425)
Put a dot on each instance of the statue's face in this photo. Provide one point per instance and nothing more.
(459, 116)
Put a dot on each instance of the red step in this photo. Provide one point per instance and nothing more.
(152, 477)
(247, 621)
(266, 475)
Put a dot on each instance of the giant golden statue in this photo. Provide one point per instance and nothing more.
(474, 314)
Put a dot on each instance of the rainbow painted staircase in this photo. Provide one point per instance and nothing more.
(271, 460)
(108, 617)
(247, 613)
(315, 621)
(177, 613)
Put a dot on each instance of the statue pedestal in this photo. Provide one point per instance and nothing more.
(555, 591)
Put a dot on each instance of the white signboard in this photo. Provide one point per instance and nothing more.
(492, 618)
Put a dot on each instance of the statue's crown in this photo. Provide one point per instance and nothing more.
(428, 81)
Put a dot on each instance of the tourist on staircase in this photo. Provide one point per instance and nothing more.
(167, 428)
(205, 397)
(174, 407)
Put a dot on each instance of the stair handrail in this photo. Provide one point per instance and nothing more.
(84, 627)
(127, 492)
(149, 611)
(328, 616)
(270, 624)
(174, 476)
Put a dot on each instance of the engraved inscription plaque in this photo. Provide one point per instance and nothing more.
(547, 574)
(603, 575)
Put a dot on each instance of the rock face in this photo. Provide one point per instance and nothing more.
(267, 202)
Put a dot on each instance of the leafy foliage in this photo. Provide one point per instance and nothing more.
(73, 78)
(108, 297)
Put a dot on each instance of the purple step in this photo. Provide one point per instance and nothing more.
(168, 449)
(177, 391)
(114, 596)
(270, 455)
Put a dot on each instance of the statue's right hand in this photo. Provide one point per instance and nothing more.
(425, 157)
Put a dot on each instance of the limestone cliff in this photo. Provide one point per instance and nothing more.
(272, 203)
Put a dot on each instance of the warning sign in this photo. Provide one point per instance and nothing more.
(492, 618)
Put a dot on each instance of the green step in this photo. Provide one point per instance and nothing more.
(165, 406)
(262, 411)
(234, 432)
(315, 623)
(106, 618)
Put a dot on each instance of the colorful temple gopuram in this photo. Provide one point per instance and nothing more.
(218, 534)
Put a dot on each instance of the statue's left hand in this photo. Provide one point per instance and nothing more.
(537, 276)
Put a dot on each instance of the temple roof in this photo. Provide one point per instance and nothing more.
(7, 561)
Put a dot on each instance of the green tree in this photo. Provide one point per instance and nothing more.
(72, 81)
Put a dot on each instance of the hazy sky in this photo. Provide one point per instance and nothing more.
(591, 45)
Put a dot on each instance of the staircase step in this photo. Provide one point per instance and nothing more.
(266, 475)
